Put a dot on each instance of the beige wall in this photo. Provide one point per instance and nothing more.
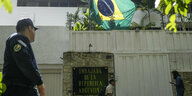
(49, 45)
(131, 41)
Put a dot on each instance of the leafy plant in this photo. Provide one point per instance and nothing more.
(7, 5)
(69, 20)
(180, 7)
(3, 87)
(79, 27)
(82, 23)
(172, 24)
(89, 23)
(76, 15)
(72, 18)
(135, 25)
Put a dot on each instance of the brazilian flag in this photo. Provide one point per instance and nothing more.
(112, 14)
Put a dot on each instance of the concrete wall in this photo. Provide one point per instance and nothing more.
(48, 47)
(131, 42)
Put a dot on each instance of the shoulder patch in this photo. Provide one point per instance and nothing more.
(17, 48)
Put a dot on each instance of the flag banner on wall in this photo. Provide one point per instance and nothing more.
(112, 14)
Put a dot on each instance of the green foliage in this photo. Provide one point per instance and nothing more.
(148, 3)
(188, 1)
(79, 27)
(162, 6)
(168, 8)
(179, 6)
(69, 20)
(76, 15)
(86, 19)
(90, 24)
(82, 24)
(97, 27)
(7, 5)
(2, 85)
(135, 25)
(172, 24)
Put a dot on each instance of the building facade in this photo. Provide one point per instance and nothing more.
(52, 39)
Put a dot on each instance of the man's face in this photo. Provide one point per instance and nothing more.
(113, 83)
(32, 33)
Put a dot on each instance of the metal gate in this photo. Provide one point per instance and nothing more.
(142, 75)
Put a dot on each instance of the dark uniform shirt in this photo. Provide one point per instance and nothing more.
(20, 67)
(179, 86)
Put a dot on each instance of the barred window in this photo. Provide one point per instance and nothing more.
(51, 3)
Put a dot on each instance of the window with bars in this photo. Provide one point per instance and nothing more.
(51, 3)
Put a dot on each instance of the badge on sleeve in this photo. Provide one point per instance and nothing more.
(17, 48)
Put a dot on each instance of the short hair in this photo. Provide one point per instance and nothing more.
(22, 29)
(111, 80)
(175, 74)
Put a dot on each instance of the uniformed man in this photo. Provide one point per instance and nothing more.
(20, 70)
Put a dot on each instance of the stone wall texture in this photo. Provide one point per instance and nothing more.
(84, 59)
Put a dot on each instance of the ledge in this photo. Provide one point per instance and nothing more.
(46, 66)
